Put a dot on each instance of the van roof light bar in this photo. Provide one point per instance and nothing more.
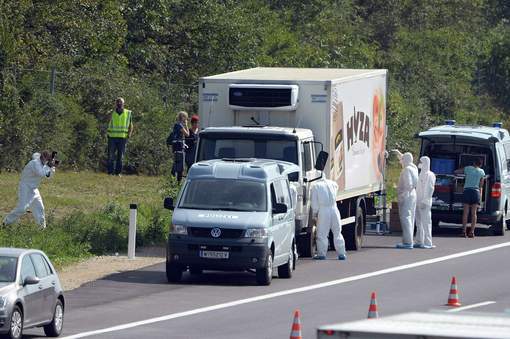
(450, 122)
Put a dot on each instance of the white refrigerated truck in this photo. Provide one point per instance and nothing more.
(289, 114)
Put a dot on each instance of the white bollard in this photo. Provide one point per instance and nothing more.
(132, 231)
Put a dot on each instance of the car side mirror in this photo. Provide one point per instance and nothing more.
(169, 203)
(293, 177)
(279, 208)
(322, 158)
(31, 280)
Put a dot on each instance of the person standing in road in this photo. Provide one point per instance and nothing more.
(424, 192)
(179, 133)
(120, 129)
(471, 196)
(323, 203)
(29, 197)
(407, 199)
(191, 142)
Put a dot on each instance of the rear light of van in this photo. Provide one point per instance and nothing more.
(496, 190)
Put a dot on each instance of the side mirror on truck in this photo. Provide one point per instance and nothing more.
(322, 158)
(279, 208)
(169, 203)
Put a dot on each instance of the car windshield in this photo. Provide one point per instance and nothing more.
(7, 269)
(213, 147)
(225, 195)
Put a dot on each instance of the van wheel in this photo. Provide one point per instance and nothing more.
(16, 324)
(265, 274)
(499, 227)
(307, 245)
(173, 273)
(354, 233)
(54, 328)
(285, 270)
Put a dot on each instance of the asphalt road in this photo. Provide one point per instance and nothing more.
(231, 305)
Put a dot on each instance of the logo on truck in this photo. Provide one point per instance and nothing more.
(358, 129)
(216, 232)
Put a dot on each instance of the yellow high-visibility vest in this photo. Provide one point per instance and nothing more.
(119, 124)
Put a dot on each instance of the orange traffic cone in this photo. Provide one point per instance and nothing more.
(295, 332)
(453, 298)
(372, 309)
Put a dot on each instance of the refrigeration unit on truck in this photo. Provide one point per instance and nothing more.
(291, 114)
(451, 147)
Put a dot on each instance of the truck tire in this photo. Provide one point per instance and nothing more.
(173, 273)
(307, 245)
(499, 227)
(265, 274)
(353, 234)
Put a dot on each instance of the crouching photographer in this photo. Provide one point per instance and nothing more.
(41, 166)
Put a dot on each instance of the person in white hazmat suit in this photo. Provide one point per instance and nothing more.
(323, 202)
(407, 199)
(28, 192)
(424, 192)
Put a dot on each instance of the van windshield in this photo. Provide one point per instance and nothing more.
(225, 195)
(247, 146)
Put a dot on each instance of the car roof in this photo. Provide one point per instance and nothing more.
(471, 131)
(301, 133)
(15, 252)
(247, 169)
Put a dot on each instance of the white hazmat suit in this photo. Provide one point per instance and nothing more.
(424, 192)
(28, 192)
(407, 199)
(323, 201)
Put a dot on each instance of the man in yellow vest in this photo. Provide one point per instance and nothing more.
(120, 129)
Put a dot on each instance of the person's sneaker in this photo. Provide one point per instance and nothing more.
(429, 246)
(418, 246)
(319, 257)
(405, 246)
(119, 175)
(342, 257)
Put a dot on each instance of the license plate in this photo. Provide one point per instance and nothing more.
(213, 254)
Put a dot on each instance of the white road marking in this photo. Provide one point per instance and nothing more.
(286, 292)
(468, 307)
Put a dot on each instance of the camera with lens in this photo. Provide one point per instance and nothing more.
(54, 161)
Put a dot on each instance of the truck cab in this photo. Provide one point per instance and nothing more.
(233, 214)
(452, 147)
(295, 146)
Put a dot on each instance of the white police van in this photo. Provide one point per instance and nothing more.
(452, 147)
(233, 214)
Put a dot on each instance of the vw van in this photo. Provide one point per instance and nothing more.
(233, 214)
(451, 147)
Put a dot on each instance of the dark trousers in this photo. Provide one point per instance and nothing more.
(116, 149)
(178, 166)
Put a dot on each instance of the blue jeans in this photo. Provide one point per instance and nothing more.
(116, 149)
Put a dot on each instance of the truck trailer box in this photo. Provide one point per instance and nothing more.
(344, 108)
(423, 325)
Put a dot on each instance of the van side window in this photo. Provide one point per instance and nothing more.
(507, 153)
(273, 195)
(282, 192)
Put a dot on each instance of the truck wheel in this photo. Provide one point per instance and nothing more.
(307, 245)
(265, 274)
(173, 273)
(435, 226)
(285, 270)
(499, 227)
(354, 233)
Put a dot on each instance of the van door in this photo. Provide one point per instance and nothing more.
(308, 171)
(281, 222)
(505, 177)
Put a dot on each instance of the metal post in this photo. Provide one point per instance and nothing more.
(132, 231)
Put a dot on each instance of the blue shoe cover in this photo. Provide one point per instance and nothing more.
(405, 246)
(342, 257)
(319, 257)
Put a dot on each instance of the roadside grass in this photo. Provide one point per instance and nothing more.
(87, 214)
